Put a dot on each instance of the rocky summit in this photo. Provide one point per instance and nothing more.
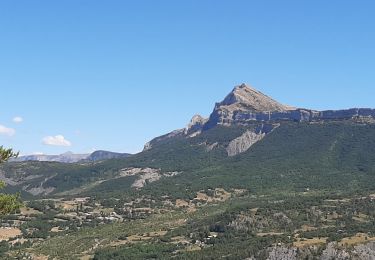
(244, 105)
(244, 97)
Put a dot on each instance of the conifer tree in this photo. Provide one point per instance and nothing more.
(8, 202)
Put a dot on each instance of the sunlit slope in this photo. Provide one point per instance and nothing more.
(336, 156)
(329, 156)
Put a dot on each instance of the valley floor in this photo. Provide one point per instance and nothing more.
(217, 223)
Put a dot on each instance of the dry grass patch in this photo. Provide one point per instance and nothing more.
(309, 242)
(67, 205)
(359, 238)
(181, 203)
(39, 257)
(191, 209)
(331, 217)
(137, 238)
(222, 194)
(56, 229)
(7, 233)
(18, 240)
(119, 243)
(179, 240)
(307, 228)
(29, 211)
(203, 197)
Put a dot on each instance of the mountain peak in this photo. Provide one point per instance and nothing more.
(245, 96)
(243, 86)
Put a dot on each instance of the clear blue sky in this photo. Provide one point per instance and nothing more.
(114, 74)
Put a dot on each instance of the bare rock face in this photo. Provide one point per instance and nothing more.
(249, 138)
(145, 175)
(147, 146)
(244, 142)
(246, 97)
(282, 253)
(332, 252)
(195, 126)
(39, 190)
(365, 252)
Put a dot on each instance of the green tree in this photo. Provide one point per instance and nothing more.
(8, 202)
(6, 154)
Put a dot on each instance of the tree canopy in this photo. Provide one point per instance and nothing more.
(8, 202)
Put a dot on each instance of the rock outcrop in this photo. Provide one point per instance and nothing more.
(249, 138)
(332, 251)
(365, 251)
(195, 126)
(282, 253)
(145, 175)
(361, 251)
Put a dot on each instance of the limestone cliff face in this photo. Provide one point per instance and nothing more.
(282, 253)
(244, 142)
(249, 138)
(332, 251)
(245, 105)
(244, 97)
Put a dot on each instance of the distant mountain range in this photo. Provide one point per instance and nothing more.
(105, 155)
(70, 157)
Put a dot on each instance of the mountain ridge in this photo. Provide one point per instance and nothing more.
(70, 157)
(245, 105)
